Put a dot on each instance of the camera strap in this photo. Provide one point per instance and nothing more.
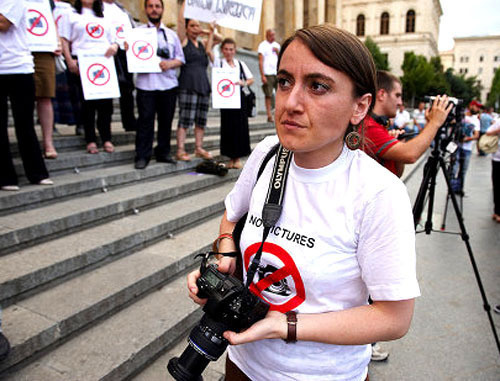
(273, 205)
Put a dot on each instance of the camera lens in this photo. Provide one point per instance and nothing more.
(206, 344)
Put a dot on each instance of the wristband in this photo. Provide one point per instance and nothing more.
(291, 320)
(215, 245)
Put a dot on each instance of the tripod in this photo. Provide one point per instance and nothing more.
(428, 186)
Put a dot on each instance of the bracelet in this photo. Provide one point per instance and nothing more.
(215, 245)
(291, 320)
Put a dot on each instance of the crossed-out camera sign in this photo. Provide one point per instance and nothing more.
(141, 53)
(98, 77)
(267, 280)
(40, 26)
(225, 88)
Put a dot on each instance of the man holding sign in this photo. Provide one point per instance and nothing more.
(157, 92)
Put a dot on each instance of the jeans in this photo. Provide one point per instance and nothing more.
(460, 168)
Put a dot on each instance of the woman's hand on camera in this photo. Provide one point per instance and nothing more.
(225, 265)
(273, 326)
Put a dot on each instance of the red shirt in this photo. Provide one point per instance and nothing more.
(377, 142)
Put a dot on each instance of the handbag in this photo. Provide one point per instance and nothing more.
(248, 99)
(488, 143)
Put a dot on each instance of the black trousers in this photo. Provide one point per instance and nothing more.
(20, 89)
(495, 176)
(87, 114)
(126, 83)
(151, 103)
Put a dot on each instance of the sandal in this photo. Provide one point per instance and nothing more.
(200, 152)
(237, 164)
(92, 148)
(50, 154)
(108, 147)
(183, 156)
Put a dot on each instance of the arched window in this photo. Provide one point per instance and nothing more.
(384, 23)
(360, 25)
(410, 21)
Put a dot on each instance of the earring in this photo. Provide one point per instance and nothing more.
(353, 140)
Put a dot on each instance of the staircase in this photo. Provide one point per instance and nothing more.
(92, 269)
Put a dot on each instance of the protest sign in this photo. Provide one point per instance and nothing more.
(41, 27)
(141, 53)
(225, 88)
(98, 76)
(241, 15)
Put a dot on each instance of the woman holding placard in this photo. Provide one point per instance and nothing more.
(234, 135)
(194, 87)
(87, 32)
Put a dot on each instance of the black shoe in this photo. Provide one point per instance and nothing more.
(165, 159)
(141, 164)
(4, 347)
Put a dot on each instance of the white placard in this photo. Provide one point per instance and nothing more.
(225, 88)
(141, 53)
(98, 76)
(40, 26)
(241, 15)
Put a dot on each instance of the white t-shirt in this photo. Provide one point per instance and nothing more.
(402, 118)
(119, 21)
(474, 121)
(87, 33)
(419, 116)
(270, 64)
(61, 14)
(15, 56)
(346, 232)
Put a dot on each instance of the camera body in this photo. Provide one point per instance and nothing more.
(230, 306)
(163, 53)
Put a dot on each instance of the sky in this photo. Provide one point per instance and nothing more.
(465, 18)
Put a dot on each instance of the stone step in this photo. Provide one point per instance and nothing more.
(36, 323)
(90, 180)
(122, 344)
(26, 272)
(27, 228)
(77, 160)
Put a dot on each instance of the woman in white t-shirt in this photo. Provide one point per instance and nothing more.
(234, 135)
(345, 231)
(86, 31)
(17, 85)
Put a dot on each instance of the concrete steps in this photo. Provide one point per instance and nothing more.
(92, 269)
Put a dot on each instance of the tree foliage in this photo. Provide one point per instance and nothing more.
(494, 95)
(380, 59)
(422, 77)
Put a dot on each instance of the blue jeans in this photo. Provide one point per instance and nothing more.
(460, 168)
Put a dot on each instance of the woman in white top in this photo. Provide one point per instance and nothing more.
(234, 135)
(87, 32)
(17, 85)
(494, 129)
(345, 230)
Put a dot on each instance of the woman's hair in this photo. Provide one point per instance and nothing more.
(96, 7)
(227, 40)
(342, 51)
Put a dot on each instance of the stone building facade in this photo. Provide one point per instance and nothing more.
(475, 56)
(397, 26)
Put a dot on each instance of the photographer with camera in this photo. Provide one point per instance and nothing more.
(157, 92)
(383, 145)
(344, 230)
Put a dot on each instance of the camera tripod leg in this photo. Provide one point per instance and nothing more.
(465, 238)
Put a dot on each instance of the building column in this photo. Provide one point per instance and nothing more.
(298, 9)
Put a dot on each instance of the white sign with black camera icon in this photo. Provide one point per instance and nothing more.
(142, 54)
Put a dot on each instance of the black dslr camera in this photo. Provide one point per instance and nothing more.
(163, 53)
(230, 306)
